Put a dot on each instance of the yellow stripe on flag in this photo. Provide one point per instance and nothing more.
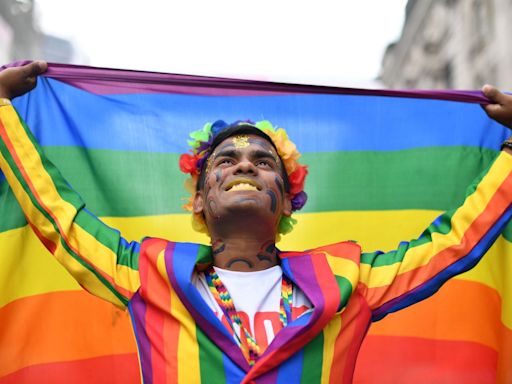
(330, 333)
(188, 348)
(29, 267)
(28, 264)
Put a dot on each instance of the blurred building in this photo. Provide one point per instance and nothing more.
(459, 44)
(20, 37)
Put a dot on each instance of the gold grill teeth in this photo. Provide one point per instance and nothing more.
(243, 187)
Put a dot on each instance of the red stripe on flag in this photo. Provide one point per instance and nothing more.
(113, 369)
(161, 328)
(455, 361)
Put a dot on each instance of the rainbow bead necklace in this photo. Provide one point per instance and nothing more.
(251, 350)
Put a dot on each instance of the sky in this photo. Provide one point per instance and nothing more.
(323, 42)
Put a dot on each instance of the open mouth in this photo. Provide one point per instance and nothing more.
(242, 185)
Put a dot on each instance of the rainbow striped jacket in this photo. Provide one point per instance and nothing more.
(179, 338)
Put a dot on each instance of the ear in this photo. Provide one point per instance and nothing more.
(198, 205)
(287, 205)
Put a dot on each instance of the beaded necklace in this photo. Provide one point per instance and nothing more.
(250, 349)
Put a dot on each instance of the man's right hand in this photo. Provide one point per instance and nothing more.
(500, 108)
(17, 81)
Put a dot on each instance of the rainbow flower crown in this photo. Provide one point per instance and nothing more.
(200, 145)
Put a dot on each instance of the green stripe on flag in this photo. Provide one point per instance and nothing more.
(11, 215)
(124, 184)
(210, 360)
(313, 360)
(407, 179)
(345, 290)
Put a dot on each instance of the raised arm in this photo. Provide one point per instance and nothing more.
(452, 244)
(95, 254)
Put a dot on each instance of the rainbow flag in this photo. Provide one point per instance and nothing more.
(383, 165)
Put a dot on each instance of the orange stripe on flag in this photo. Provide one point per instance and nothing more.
(438, 318)
(475, 320)
(61, 326)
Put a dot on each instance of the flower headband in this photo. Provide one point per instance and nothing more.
(200, 150)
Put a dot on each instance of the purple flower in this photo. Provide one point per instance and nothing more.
(299, 200)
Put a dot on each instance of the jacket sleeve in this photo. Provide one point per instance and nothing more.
(452, 244)
(95, 254)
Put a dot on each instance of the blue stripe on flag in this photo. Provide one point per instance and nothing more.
(62, 115)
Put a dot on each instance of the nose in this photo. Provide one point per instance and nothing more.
(245, 167)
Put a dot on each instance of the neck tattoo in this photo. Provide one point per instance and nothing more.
(230, 263)
(218, 247)
(268, 253)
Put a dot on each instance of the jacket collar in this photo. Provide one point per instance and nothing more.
(311, 274)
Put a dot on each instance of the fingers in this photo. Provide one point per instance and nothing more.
(34, 69)
(500, 108)
(16, 81)
(491, 109)
(493, 94)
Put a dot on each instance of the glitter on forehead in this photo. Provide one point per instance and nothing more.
(241, 141)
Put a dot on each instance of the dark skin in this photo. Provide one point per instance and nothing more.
(243, 198)
(17, 81)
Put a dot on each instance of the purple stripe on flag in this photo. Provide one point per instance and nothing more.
(105, 81)
(137, 308)
(269, 378)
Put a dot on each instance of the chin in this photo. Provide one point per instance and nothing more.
(252, 207)
(245, 205)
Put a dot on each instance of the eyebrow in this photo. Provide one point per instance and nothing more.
(222, 147)
(263, 144)
(226, 152)
(258, 153)
(265, 154)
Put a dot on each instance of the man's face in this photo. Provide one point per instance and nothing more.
(243, 177)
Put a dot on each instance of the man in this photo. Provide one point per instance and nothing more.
(245, 189)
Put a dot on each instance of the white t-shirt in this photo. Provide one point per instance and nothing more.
(256, 296)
